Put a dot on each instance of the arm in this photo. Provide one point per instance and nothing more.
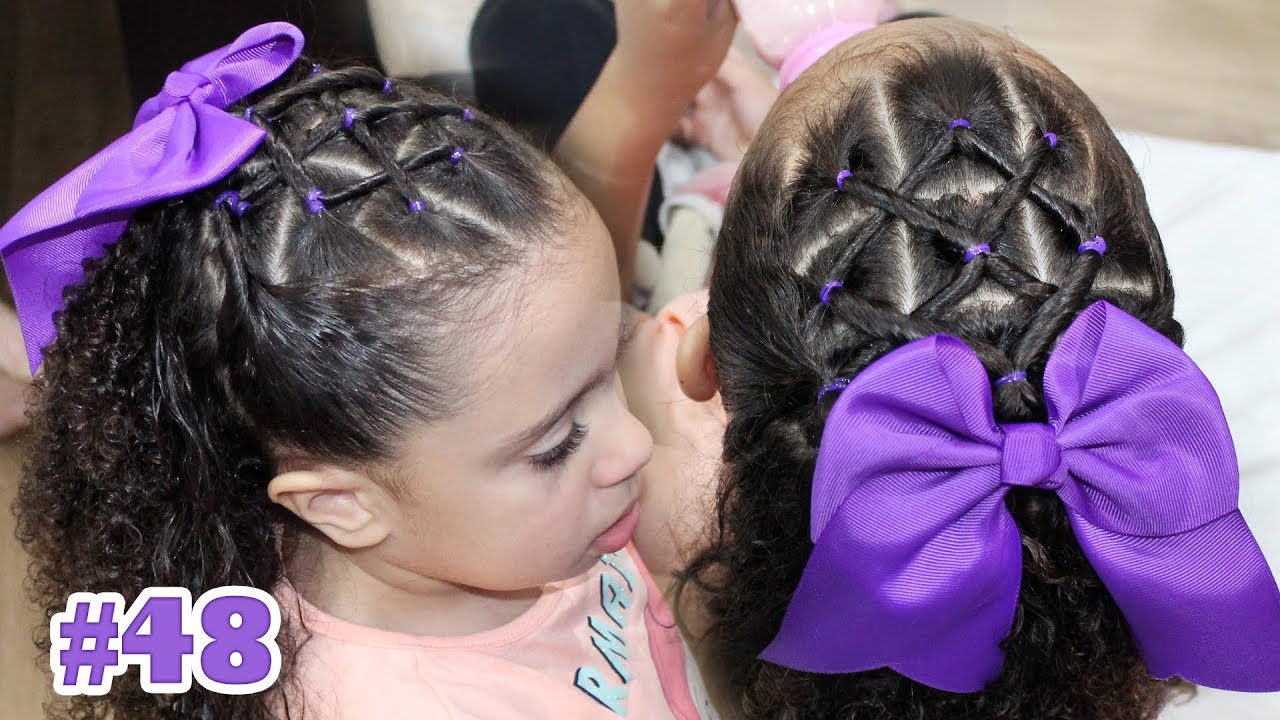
(667, 50)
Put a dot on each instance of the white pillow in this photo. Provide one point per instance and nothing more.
(1218, 211)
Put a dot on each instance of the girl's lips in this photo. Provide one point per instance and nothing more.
(619, 534)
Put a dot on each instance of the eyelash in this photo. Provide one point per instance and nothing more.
(558, 454)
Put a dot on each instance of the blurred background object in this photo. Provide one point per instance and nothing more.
(1201, 71)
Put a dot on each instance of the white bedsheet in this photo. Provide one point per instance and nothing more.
(1218, 210)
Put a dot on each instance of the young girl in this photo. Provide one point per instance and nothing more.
(351, 343)
(967, 471)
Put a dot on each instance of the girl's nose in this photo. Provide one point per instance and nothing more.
(630, 447)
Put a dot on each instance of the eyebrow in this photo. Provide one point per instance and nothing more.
(548, 421)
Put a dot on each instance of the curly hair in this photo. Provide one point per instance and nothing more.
(949, 145)
(305, 304)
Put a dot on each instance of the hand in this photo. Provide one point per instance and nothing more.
(671, 48)
(729, 110)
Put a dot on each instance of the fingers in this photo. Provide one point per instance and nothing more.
(722, 11)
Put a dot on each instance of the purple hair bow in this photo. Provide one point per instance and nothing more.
(917, 561)
(182, 140)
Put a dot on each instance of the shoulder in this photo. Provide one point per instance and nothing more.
(339, 681)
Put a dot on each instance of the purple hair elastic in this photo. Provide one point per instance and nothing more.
(972, 253)
(959, 122)
(386, 86)
(1012, 378)
(467, 114)
(841, 177)
(416, 206)
(1052, 138)
(349, 118)
(834, 386)
(456, 157)
(316, 69)
(825, 294)
(1096, 244)
(314, 203)
(248, 114)
(232, 200)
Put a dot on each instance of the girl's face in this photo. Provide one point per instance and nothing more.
(535, 478)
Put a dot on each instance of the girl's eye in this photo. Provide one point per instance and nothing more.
(558, 454)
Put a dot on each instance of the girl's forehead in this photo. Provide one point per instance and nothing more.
(559, 312)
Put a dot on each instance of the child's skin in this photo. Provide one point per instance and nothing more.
(667, 51)
(458, 535)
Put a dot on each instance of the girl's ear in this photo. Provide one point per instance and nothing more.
(339, 503)
(695, 367)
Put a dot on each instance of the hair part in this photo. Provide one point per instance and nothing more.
(921, 192)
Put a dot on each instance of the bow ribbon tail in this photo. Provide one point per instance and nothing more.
(932, 604)
(1201, 604)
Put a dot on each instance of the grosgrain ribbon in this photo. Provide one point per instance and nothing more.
(917, 562)
(182, 139)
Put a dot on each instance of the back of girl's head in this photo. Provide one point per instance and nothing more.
(304, 306)
(954, 137)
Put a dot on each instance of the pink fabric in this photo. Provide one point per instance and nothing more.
(531, 668)
(814, 46)
(776, 27)
(713, 183)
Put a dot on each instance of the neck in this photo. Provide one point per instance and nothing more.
(365, 588)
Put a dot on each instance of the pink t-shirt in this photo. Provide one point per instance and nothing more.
(599, 646)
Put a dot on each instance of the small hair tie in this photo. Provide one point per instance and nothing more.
(972, 253)
(834, 386)
(841, 177)
(825, 294)
(456, 157)
(1013, 377)
(232, 200)
(1052, 138)
(1096, 244)
(386, 86)
(349, 118)
(467, 114)
(416, 206)
(316, 69)
(314, 203)
(248, 114)
(959, 122)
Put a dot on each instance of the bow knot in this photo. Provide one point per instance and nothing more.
(1030, 456)
(191, 87)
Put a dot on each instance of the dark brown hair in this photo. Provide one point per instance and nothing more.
(215, 336)
(923, 191)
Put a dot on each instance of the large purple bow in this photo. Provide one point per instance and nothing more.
(917, 561)
(182, 140)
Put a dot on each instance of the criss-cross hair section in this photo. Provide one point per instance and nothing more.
(976, 244)
(360, 125)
